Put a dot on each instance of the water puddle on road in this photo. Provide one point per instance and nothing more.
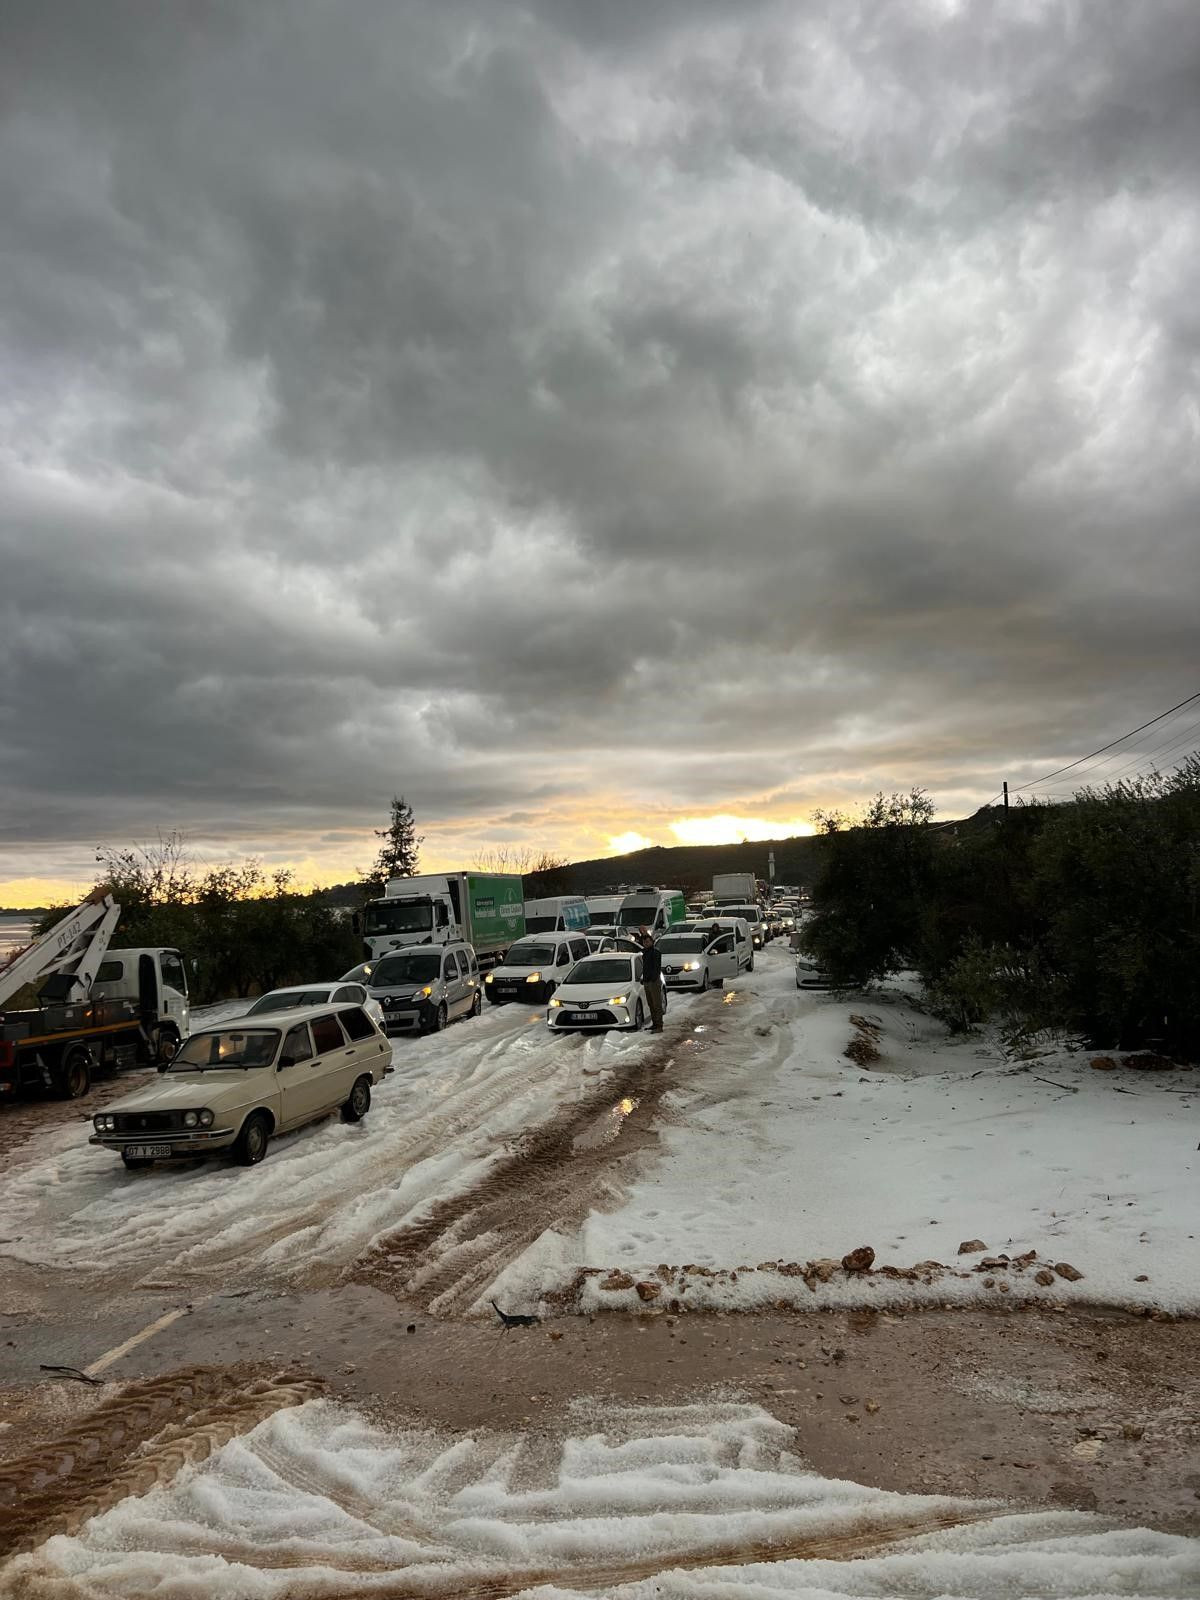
(606, 1128)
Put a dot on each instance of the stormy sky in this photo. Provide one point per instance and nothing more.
(583, 415)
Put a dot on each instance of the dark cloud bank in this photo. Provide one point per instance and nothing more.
(687, 403)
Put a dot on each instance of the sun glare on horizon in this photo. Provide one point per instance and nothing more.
(725, 829)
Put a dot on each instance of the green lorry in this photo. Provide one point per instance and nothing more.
(486, 909)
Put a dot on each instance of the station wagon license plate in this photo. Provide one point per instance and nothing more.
(146, 1152)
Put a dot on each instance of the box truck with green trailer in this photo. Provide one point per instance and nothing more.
(486, 909)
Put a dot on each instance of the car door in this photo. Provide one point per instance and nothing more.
(744, 946)
(562, 963)
(334, 1067)
(722, 960)
(298, 1078)
(454, 976)
(366, 1048)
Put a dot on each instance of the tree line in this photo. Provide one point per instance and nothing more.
(1079, 918)
(244, 929)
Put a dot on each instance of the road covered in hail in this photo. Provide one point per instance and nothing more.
(292, 1378)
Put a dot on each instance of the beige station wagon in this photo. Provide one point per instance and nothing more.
(233, 1086)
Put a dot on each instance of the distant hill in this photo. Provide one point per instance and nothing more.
(691, 867)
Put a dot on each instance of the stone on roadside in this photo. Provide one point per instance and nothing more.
(617, 1280)
(1102, 1064)
(859, 1260)
(648, 1291)
(824, 1268)
(1045, 1277)
(1067, 1271)
(971, 1247)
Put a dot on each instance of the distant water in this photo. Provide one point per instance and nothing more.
(15, 933)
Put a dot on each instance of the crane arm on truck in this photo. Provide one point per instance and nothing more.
(71, 951)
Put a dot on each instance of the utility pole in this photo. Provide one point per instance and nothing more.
(1006, 796)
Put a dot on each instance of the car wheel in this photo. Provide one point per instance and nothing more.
(440, 1018)
(639, 1018)
(252, 1142)
(704, 981)
(476, 1003)
(750, 965)
(359, 1103)
(74, 1077)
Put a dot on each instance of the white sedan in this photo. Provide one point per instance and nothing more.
(604, 991)
(344, 992)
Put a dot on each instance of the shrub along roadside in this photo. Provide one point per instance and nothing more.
(1082, 917)
(240, 929)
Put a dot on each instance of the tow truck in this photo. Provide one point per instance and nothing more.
(97, 1010)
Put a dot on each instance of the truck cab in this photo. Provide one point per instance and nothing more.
(155, 978)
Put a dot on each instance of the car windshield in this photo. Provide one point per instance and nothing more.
(636, 916)
(225, 1048)
(531, 955)
(397, 916)
(285, 999)
(541, 924)
(601, 969)
(747, 913)
(688, 943)
(412, 966)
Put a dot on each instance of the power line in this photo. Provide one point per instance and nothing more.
(1033, 782)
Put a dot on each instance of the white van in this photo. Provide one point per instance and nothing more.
(753, 918)
(655, 909)
(603, 908)
(557, 913)
(535, 966)
(704, 957)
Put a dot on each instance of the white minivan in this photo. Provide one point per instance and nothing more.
(535, 966)
(708, 953)
(654, 909)
(557, 913)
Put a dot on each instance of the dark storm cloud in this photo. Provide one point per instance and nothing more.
(697, 403)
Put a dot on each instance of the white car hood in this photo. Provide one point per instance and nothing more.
(184, 1091)
(594, 993)
(520, 972)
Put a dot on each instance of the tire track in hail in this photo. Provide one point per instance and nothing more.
(552, 1179)
(134, 1441)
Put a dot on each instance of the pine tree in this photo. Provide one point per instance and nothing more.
(400, 850)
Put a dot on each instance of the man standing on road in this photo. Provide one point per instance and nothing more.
(652, 979)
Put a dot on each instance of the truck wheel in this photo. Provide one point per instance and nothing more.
(74, 1077)
(359, 1103)
(252, 1142)
(164, 1043)
(476, 1004)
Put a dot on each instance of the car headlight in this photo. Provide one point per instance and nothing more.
(207, 1118)
(190, 1118)
(618, 999)
(424, 993)
(691, 966)
(534, 977)
(554, 1004)
(489, 979)
(103, 1124)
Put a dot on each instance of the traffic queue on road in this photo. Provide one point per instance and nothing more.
(302, 1052)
